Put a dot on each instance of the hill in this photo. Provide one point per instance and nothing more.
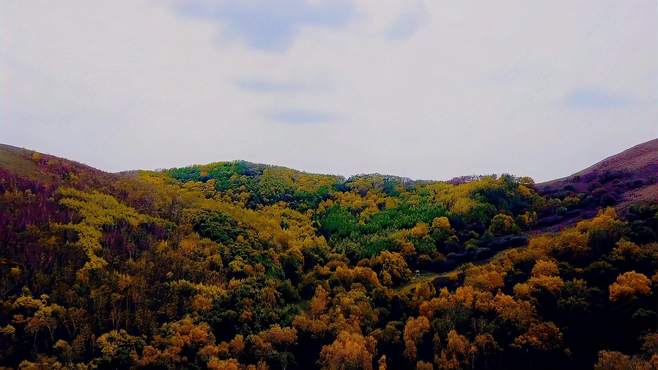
(236, 265)
(47, 170)
(627, 178)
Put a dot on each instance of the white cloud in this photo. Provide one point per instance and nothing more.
(473, 89)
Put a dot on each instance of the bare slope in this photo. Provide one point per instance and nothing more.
(631, 175)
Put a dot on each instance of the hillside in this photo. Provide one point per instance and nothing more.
(47, 170)
(631, 175)
(236, 265)
(621, 180)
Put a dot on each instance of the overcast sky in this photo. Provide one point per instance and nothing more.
(424, 89)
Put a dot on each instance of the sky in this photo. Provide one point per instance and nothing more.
(422, 89)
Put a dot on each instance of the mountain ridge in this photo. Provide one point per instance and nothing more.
(640, 161)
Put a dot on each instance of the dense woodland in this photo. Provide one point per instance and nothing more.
(242, 266)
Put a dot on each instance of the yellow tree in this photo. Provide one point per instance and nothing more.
(628, 285)
(348, 351)
(457, 353)
(414, 330)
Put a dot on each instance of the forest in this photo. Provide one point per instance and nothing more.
(235, 265)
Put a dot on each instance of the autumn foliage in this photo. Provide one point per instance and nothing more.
(234, 265)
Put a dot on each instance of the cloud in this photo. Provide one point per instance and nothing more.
(301, 116)
(262, 86)
(269, 25)
(593, 98)
(406, 25)
(268, 86)
(478, 88)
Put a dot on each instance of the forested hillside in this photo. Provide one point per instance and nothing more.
(235, 265)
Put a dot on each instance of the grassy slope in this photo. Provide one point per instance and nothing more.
(17, 161)
(637, 163)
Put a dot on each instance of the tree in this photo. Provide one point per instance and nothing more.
(503, 224)
(541, 337)
(420, 230)
(629, 285)
(485, 278)
(545, 276)
(348, 351)
(217, 364)
(118, 349)
(394, 269)
(458, 352)
(545, 268)
(414, 330)
(441, 223)
(485, 346)
(274, 343)
(319, 301)
(612, 360)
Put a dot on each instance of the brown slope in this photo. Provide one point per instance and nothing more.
(18, 163)
(631, 175)
(640, 161)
